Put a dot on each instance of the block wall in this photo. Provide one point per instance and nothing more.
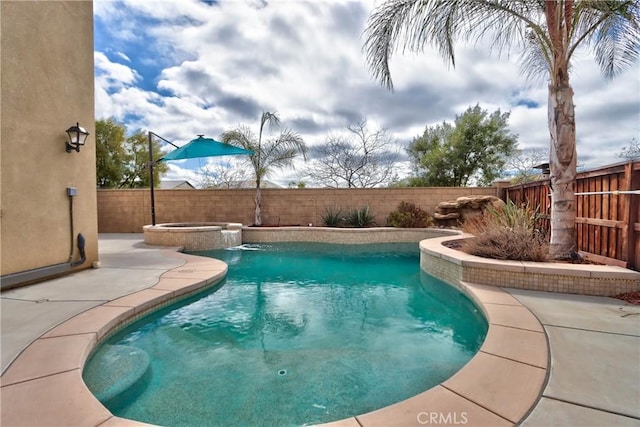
(127, 211)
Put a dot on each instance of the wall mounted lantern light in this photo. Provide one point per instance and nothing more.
(77, 137)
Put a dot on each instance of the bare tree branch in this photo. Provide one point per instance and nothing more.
(360, 159)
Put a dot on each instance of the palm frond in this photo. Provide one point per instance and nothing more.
(270, 118)
(611, 28)
(280, 152)
(618, 39)
(535, 60)
(241, 137)
(292, 140)
(385, 27)
(414, 24)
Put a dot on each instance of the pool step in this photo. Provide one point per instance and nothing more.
(121, 375)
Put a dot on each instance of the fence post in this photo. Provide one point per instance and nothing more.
(502, 191)
(629, 243)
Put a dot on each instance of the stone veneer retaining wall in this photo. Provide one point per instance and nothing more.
(340, 235)
(194, 236)
(455, 267)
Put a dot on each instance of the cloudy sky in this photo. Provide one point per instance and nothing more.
(188, 67)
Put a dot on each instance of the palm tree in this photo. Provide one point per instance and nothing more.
(274, 153)
(547, 33)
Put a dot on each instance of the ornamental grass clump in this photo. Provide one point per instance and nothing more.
(333, 217)
(360, 217)
(508, 233)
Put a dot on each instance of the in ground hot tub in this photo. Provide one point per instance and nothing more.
(194, 236)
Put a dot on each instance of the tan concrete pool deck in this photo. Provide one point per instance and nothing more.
(549, 358)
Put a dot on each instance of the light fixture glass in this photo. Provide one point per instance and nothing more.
(77, 137)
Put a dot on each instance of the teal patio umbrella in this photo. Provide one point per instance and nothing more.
(205, 147)
(194, 149)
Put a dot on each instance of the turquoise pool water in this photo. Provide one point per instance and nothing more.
(297, 334)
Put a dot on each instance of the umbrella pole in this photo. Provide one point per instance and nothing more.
(234, 150)
(153, 201)
(151, 179)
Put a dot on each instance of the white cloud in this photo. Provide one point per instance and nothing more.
(123, 56)
(113, 74)
(222, 64)
(111, 78)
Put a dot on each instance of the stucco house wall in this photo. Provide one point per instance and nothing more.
(47, 82)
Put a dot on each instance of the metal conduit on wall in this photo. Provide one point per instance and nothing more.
(22, 277)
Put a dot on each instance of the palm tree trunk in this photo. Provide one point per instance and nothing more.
(562, 163)
(258, 214)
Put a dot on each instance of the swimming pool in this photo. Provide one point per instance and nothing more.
(298, 333)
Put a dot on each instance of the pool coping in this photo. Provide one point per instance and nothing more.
(44, 386)
(498, 386)
(454, 266)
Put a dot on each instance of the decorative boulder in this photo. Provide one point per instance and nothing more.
(454, 213)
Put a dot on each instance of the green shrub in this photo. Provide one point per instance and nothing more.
(333, 217)
(360, 217)
(408, 215)
(505, 233)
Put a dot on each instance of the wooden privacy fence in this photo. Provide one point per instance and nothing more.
(607, 211)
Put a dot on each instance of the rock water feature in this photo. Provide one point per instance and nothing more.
(453, 213)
